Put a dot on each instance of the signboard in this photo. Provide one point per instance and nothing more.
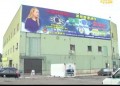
(4, 59)
(54, 22)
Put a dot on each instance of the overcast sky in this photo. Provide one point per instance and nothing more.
(8, 9)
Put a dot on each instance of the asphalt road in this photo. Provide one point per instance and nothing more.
(45, 80)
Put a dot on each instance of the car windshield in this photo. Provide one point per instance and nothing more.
(8, 68)
(1, 69)
(117, 74)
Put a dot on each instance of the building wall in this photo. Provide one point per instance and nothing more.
(11, 41)
(114, 45)
(56, 49)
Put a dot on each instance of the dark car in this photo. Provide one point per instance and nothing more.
(105, 72)
(9, 72)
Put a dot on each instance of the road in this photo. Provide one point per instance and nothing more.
(42, 80)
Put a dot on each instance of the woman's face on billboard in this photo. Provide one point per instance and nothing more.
(36, 13)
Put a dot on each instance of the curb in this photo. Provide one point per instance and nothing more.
(86, 75)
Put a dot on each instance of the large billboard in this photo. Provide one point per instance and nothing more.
(54, 22)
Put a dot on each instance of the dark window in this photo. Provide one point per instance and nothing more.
(89, 48)
(113, 50)
(10, 63)
(99, 49)
(112, 35)
(16, 46)
(72, 47)
(106, 65)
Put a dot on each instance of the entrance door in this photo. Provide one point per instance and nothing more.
(10, 63)
(33, 64)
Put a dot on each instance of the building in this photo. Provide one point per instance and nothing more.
(90, 43)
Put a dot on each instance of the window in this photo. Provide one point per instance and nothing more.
(112, 35)
(17, 46)
(14, 31)
(99, 49)
(72, 47)
(17, 26)
(13, 48)
(10, 63)
(106, 65)
(89, 48)
(113, 50)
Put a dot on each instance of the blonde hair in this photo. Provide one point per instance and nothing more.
(30, 15)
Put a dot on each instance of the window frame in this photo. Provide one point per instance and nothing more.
(89, 48)
(99, 48)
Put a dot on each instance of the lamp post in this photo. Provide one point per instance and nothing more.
(111, 42)
(90, 65)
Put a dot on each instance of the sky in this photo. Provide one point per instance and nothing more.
(87, 7)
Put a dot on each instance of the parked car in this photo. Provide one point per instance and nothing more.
(105, 72)
(1, 69)
(113, 79)
(9, 72)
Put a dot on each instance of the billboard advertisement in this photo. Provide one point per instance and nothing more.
(54, 22)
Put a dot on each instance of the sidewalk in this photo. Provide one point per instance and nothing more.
(42, 76)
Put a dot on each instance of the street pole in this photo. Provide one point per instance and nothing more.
(90, 65)
(111, 43)
(119, 62)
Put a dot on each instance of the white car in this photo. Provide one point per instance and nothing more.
(114, 79)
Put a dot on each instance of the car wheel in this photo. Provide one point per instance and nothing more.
(110, 74)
